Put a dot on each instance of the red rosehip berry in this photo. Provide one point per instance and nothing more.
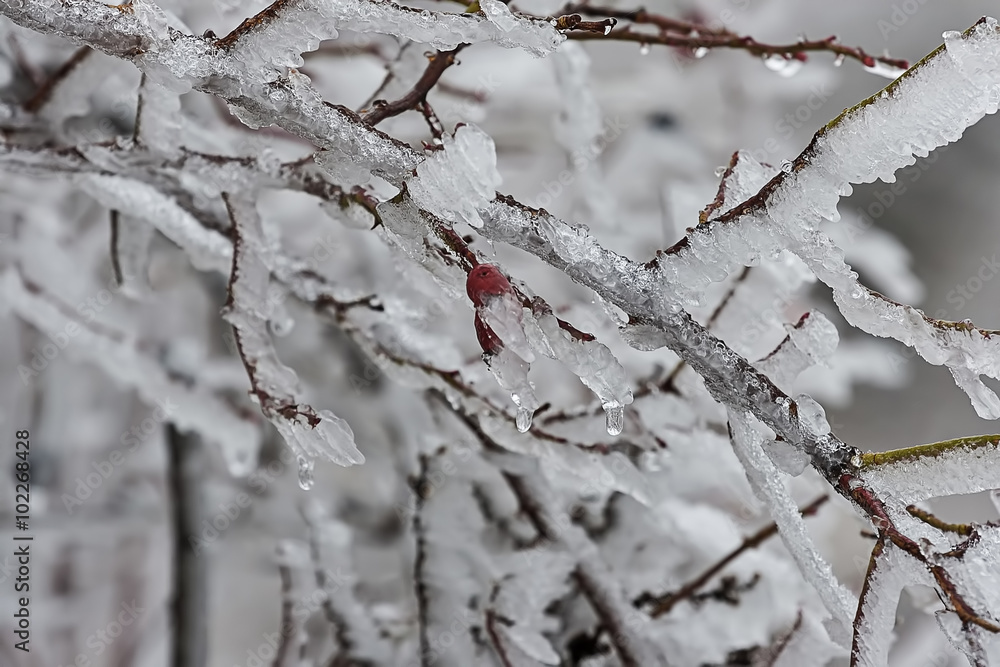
(485, 282)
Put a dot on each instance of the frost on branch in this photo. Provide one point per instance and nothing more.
(902, 121)
(455, 183)
(278, 35)
(276, 388)
(769, 486)
(554, 541)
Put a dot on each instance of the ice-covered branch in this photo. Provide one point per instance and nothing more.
(635, 288)
(436, 66)
(275, 387)
(590, 572)
(912, 116)
(278, 34)
(701, 38)
(662, 604)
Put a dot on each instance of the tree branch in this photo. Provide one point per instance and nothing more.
(436, 66)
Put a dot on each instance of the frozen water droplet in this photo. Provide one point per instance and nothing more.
(775, 62)
(643, 49)
(523, 419)
(615, 415)
(700, 52)
(787, 458)
(281, 326)
(719, 171)
(812, 416)
(786, 166)
(609, 26)
(306, 473)
(839, 60)
(791, 68)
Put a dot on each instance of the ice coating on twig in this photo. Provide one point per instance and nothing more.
(966, 465)
(927, 108)
(537, 578)
(330, 543)
(511, 373)
(504, 315)
(890, 571)
(812, 340)
(769, 486)
(589, 360)
(207, 248)
(600, 473)
(158, 120)
(449, 569)
(291, 28)
(455, 183)
(308, 433)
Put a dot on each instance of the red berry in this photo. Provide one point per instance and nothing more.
(486, 281)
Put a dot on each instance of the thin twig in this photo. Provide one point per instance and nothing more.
(42, 95)
(660, 605)
(685, 34)
(532, 499)
(438, 63)
(282, 656)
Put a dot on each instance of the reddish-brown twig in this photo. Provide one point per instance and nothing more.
(693, 36)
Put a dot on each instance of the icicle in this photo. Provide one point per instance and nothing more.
(523, 419)
(455, 183)
(769, 485)
(305, 472)
(615, 418)
(308, 433)
(775, 62)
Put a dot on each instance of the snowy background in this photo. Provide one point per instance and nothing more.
(669, 119)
